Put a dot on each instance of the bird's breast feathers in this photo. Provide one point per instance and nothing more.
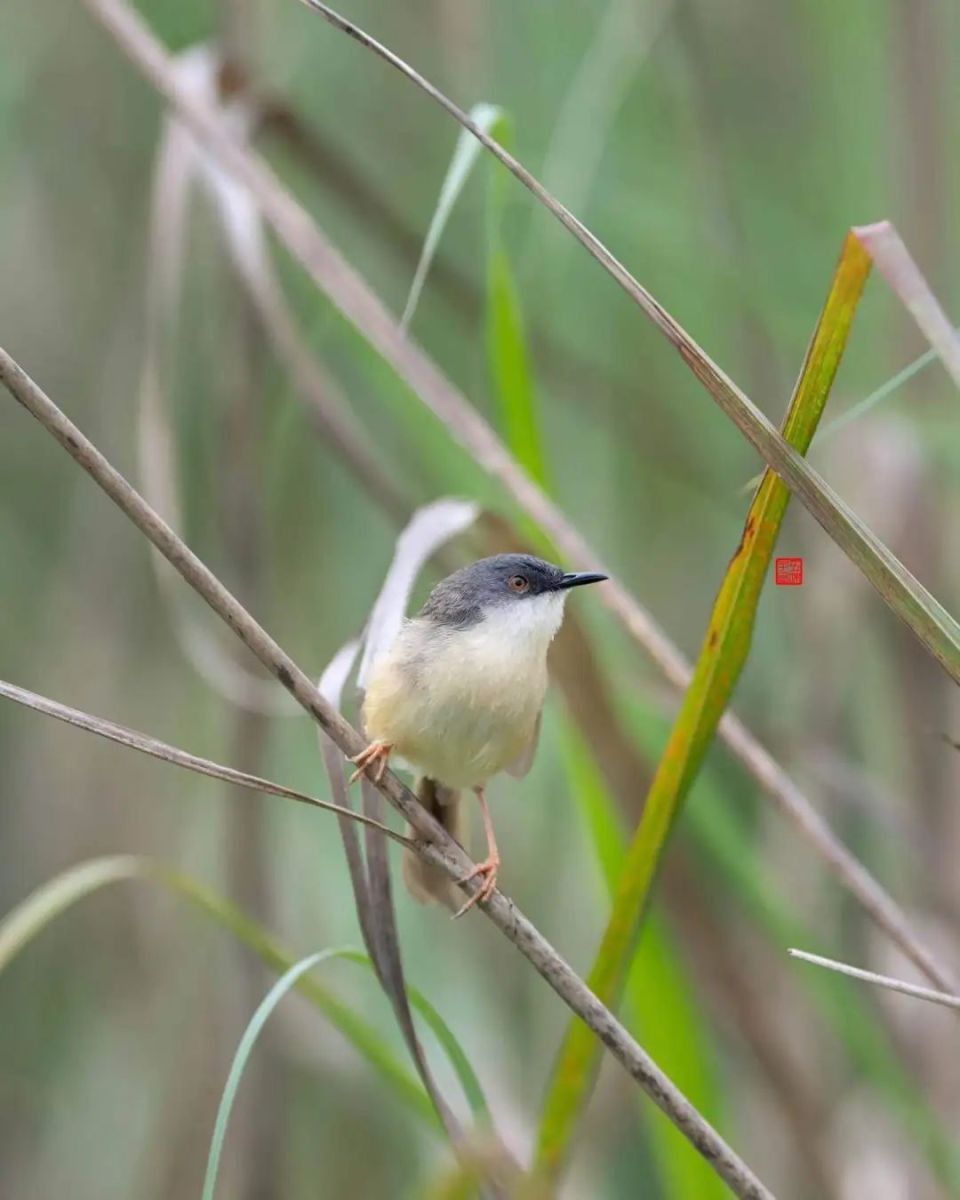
(462, 704)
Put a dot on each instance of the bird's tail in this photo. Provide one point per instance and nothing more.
(424, 882)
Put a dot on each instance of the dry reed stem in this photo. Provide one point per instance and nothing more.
(146, 744)
(947, 999)
(437, 846)
(361, 307)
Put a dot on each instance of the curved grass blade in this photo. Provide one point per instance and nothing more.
(444, 413)
(718, 667)
(29, 918)
(250, 1035)
(263, 945)
(182, 166)
(458, 1060)
(465, 154)
(32, 915)
(467, 1077)
(428, 529)
(509, 361)
(506, 344)
(929, 621)
(666, 1018)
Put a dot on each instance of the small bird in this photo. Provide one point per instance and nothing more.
(458, 695)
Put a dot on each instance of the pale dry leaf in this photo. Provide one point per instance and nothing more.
(429, 528)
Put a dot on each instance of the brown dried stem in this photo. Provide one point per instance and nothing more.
(361, 307)
(437, 846)
(145, 744)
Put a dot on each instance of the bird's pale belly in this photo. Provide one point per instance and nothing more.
(453, 720)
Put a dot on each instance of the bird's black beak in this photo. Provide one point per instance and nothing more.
(579, 578)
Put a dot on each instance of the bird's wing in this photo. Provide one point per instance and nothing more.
(524, 760)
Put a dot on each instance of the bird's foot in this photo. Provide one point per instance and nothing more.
(376, 753)
(488, 869)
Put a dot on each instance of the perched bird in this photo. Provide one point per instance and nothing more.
(459, 693)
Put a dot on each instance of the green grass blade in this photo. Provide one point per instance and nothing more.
(32, 915)
(510, 367)
(660, 1009)
(718, 667)
(929, 621)
(867, 403)
(878, 395)
(466, 152)
(29, 918)
(262, 944)
(458, 1060)
(445, 1038)
(711, 824)
(507, 355)
(250, 1035)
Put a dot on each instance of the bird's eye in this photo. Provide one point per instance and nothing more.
(518, 583)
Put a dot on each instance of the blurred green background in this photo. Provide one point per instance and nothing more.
(721, 150)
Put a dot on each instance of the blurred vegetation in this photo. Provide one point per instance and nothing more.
(722, 151)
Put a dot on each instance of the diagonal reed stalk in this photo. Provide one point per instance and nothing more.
(145, 744)
(722, 657)
(437, 847)
(347, 291)
(28, 919)
(945, 999)
(930, 622)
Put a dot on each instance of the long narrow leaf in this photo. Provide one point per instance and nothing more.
(458, 1060)
(427, 530)
(721, 660)
(283, 985)
(935, 628)
(486, 459)
(664, 1017)
(721, 836)
(145, 744)
(465, 154)
(445, 1037)
(507, 353)
(29, 918)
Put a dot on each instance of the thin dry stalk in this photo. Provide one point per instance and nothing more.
(382, 947)
(180, 758)
(930, 622)
(346, 289)
(947, 999)
(437, 847)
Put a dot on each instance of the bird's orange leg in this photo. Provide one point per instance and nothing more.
(490, 865)
(377, 752)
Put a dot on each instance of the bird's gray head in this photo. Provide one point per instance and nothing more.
(503, 584)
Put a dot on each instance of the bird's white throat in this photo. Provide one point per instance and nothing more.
(524, 625)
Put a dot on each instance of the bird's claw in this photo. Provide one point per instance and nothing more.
(376, 752)
(488, 868)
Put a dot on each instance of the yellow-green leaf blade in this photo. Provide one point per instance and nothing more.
(718, 668)
(667, 1018)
